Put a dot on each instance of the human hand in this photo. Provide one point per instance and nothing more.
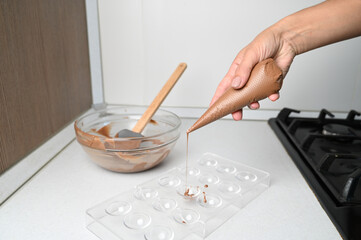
(268, 44)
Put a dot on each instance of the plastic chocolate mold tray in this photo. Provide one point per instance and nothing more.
(158, 209)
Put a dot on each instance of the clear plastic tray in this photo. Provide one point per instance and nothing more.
(158, 209)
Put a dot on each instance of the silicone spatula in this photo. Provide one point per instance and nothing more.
(153, 107)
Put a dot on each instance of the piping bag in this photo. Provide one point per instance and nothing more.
(265, 79)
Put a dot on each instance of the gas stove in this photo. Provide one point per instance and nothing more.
(327, 151)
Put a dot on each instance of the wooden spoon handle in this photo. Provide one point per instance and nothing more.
(153, 107)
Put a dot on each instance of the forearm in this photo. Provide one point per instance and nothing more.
(320, 25)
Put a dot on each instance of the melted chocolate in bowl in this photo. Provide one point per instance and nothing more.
(95, 132)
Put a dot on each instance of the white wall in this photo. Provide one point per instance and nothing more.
(143, 41)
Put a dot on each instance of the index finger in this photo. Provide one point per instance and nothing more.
(228, 78)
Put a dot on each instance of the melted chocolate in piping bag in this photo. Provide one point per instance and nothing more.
(265, 79)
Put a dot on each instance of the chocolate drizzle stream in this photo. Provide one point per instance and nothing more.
(187, 159)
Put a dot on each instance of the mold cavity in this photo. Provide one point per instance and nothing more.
(164, 204)
(209, 162)
(188, 191)
(209, 201)
(226, 169)
(229, 187)
(159, 233)
(246, 177)
(208, 178)
(186, 216)
(169, 181)
(137, 220)
(145, 193)
(118, 208)
(192, 171)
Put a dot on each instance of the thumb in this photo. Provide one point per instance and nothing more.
(244, 69)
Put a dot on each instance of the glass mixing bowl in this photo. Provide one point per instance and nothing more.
(97, 134)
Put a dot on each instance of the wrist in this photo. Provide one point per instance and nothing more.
(291, 35)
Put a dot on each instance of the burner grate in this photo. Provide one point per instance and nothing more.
(327, 150)
(348, 166)
(307, 142)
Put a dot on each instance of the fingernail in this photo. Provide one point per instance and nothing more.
(236, 82)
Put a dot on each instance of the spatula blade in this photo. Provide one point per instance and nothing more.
(126, 133)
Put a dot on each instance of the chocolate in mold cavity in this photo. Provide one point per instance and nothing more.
(187, 156)
(265, 79)
(187, 194)
(204, 197)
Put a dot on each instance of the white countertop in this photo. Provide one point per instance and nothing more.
(52, 204)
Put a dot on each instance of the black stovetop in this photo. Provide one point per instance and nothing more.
(327, 151)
